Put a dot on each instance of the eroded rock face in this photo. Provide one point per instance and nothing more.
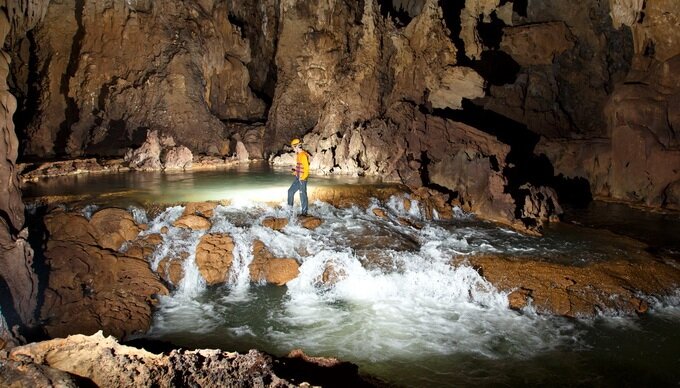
(576, 291)
(92, 285)
(214, 255)
(110, 72)
(16, 255)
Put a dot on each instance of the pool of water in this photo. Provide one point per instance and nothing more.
(399, 310)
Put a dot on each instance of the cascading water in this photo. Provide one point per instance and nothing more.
(398, 300)
(394, 297)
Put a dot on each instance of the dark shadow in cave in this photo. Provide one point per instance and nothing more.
(27, 104)
(522, 165)
(496, 66)
(396, 12)
(37, 238)
(342, 374)
(72, 110)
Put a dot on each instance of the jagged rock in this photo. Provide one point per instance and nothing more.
(214, 255)
(204, 209)
(21, 373)
(178, 158)
(540, 204)
(102, 361)
(537, 44)
(454, 84)
(271, 269)
(580, 291)
(193, 222)
(91, 287)
(148, 156)
(653, 25)
(471, 15)
(105, 363)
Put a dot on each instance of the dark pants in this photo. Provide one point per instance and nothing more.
(302, 186)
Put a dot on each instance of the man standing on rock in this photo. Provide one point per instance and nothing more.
(301, 172)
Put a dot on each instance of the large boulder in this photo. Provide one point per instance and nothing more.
(214, 256)
(266, 267)
(91, 285)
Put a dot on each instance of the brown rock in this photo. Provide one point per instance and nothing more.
(214, 255)
(105, 363)
(204, 209)
(576, 291)
(332, 275)
(112, 227)
(275, 223)
(193, 222)
(310, 222)
(378, 212)
(537, 44)
(91, 287)
(271, 269)
(171, 270)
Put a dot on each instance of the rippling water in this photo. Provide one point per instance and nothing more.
(400, 310)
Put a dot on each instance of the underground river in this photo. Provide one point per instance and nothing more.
(400, 310)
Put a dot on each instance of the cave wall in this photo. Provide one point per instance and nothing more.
(637, 159)
(102, 73)
(96, 75)
(16, 256)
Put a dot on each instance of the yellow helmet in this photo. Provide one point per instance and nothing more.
(295, 142)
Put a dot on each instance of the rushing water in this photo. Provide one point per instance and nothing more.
(399, 309)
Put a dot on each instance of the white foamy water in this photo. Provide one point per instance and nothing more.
(402, 300)
(394, 297)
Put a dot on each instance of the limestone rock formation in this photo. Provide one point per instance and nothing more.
(159, 153)
(580, 291)
(103, 362)
(92, 285)
(274, 270)
(110, 72)
(638, 159)
(214, 255)
(16, 255)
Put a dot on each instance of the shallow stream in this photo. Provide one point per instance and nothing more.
(399, 310)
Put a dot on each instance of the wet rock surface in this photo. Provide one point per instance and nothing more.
(617, 286)
(92, 284)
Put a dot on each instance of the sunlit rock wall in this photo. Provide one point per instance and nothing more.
(16, 256)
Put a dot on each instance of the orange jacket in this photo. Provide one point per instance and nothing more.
(302, 166)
